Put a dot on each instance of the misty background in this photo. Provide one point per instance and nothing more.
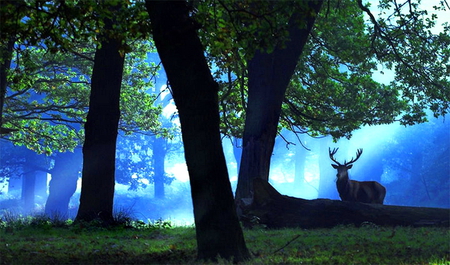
(152, 180)
(413, 163)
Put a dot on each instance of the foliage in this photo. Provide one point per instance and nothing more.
(404, 42)
(135, 159)
(232, 32)
(49, 80)
(48, 97)
(61, 25)
(333, 90)
(148, 244)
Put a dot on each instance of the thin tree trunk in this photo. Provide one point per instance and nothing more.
(159, 153)
(28, 185)
(196, 96)
(269, 76)
(327, 181)
(99, 149)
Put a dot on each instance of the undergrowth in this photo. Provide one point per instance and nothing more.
(40, 240)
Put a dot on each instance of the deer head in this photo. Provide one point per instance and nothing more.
(343, 168)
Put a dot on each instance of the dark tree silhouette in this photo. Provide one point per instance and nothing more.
(269, 75)
(99, 149)
(196, 95)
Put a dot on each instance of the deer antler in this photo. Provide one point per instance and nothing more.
(358, 154)
(332, 153)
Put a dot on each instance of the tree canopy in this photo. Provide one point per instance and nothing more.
(348, 45)
(48, 82)
(333, 90)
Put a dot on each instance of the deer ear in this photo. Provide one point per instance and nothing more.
(334, 166)
(349, 166)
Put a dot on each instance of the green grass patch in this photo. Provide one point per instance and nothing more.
(351, 245)
(41, 241)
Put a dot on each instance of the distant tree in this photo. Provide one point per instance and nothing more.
(159, 153)
(26, 168)
(162, 145)
(139, 160)
(63, 183)
(327, 174)
(141, 157)
(133, 160)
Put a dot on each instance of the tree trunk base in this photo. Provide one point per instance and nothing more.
(274, 210)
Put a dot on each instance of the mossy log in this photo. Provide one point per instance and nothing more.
(274, 210)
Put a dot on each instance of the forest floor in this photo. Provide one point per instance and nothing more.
(34, 241)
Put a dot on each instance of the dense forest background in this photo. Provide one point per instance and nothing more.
(49, 104)
(156, 109)
(391, 154)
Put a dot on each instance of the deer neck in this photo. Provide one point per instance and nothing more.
(343, 184)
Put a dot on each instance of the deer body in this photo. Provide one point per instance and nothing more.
(356, 191)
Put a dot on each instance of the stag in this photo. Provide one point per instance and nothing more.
(352, 190)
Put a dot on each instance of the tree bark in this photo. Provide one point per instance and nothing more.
(97, 190)
(195, 93)
(33, 164)
(63, 184)
(274, 210)
(269, 76)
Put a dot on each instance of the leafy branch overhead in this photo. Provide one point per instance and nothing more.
(333, 90)
(49, 80)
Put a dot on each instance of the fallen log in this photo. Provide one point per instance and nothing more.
(274, 210)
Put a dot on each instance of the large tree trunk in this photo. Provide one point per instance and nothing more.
(196, 96)
(274, 210)
(63, 184)
(269, 76)
(99, 149)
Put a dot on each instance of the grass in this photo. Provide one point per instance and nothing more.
(37, 240)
